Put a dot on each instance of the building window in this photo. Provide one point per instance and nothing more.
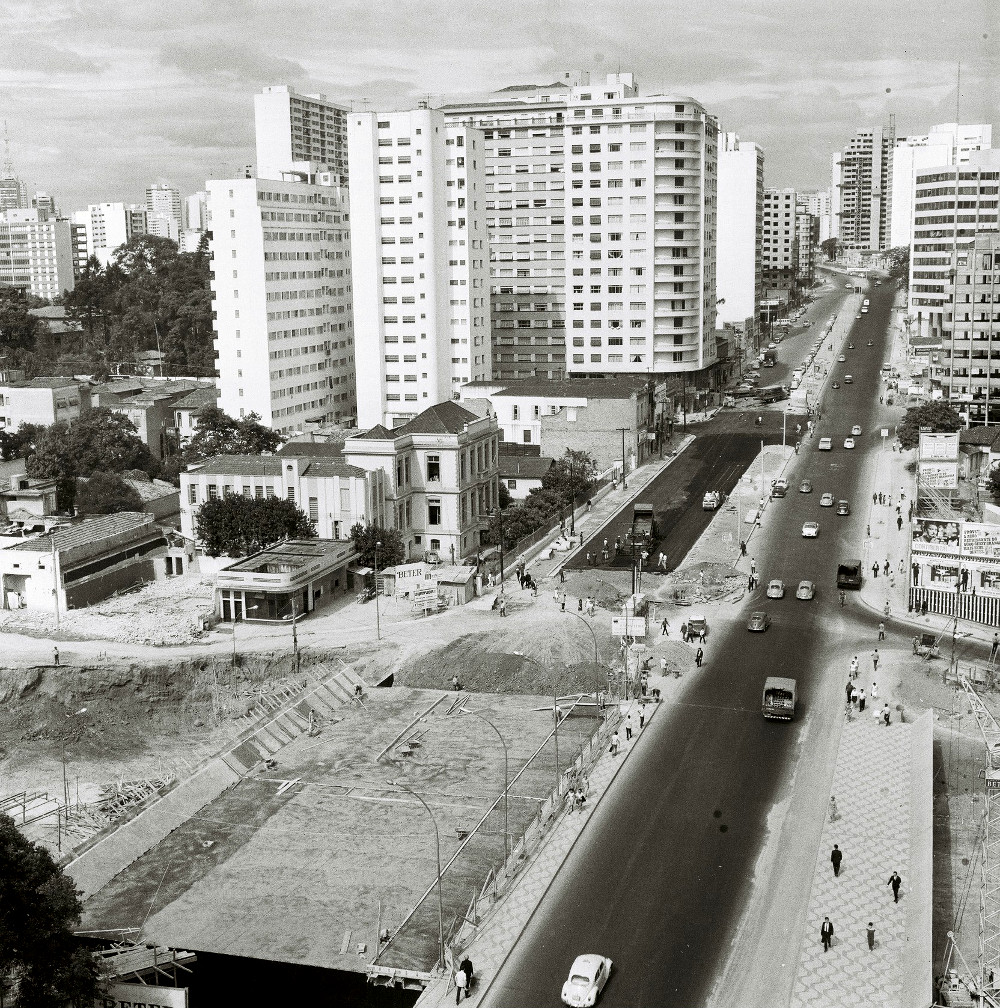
(433, 468)
(433, 510)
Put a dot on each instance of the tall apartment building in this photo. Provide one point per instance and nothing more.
(861, 190)
(806, 237)
(780, 243)
(602, 212)
(36, 253)
(163, 211)
(293, 127)
(420, 261)
(196, 211)
(951, 204)
(44, 204)
(103, 227)
(971, 379)
(945, 144)
(818, 204)
(281, 290)
(13, 192)
(739, 257)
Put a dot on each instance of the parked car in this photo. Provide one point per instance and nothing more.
(776, 588)
(758, 622)
(826, 500)
(779, 487)
(843, 508)
(587, 977)
(697, 625)
(810, 530)
(805, 590)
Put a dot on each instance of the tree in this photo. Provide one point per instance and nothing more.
(390, 552)
(571, 476)
(219, 434)
(106, 493)
(899, 262)
(18, 327)
(19, 443)
(42, 963)
(236, 525)
(938, 416)
(829, 248)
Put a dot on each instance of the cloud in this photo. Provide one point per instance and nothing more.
(227, 63)
(35, 58)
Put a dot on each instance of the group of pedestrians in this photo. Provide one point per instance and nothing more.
(857, 699)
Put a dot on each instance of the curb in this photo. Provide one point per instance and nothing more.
(621, 763)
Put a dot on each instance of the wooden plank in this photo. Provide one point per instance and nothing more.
(346, 943)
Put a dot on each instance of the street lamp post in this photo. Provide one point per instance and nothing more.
(572, 495)
(624, 431)
(378, 625)
(499, 516)
(506, 776)
(437, 843)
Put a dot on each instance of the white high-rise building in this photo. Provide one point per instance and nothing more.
(108, 225)
(818, 204)
(196, 211)
(602, 214)
(945, 144)
(281, 291)
(740, 211)
(420, 261)
(861, 190)
(293, 128)
(36, 253)
(780, 240)
(163, 211)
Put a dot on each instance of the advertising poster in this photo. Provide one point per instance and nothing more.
(941, 575)
(938, 475)
(931, 535)
(938, 447)
(979, 540)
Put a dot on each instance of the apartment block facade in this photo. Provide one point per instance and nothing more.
(163, 211)
(36, 253)
(807, 237)
(971, 351)
(281, 290)
(951, 205)
(601, 208)
(739, 258)
(861, 190)
(420, 261)
(102, 228)
(818, 204)
(779, 238)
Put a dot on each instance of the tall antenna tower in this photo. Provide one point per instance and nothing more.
(8, 164)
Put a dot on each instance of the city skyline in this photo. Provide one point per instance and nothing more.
(160, 100)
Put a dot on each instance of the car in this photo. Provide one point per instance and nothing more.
(772, 346)
(856, 430)
(697, 625)
(870, 343)
(849, 286)
(779, 487)
(826, 500)
(848, 379)
(825, 444)
(805, 590)
(848, 442)
(843, 508)
(841, 359)
(858, 315)
(866, 303)
(805, 487)
(587, 977)
(836, 384)
(776, 588)
(850, 346)
(758, 622)
(864, 310)
(878, 283)
(810, 530)
(711, 500)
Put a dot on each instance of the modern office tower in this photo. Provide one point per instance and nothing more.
(281, 291)
(951, 204)
(601, 211)
(861, 190)
(106, 226)
(971, 380)
(420, 261)
(806, 237)
(163, 211)
(36, 253)
(945, 144)
(739, 256)
(45, 205)
(293, 128)
(13, 192)
(780, 245)
(818, 204)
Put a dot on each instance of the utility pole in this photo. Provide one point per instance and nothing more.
(624, 431)
(378, 626)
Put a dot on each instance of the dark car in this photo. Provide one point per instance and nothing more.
(843, 508)
(758, 622)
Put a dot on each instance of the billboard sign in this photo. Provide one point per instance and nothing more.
(931, 535)
(628, 626)
(938, 475)
(979, 540)
(128, 995)
(938, 447)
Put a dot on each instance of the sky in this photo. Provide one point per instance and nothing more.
(101, 99)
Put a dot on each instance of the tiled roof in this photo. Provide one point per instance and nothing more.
(199, 397)
(524, 467)
(324, 469)
(313, 449)
(53, 383)
(239, 465)
(575, 388)
(91, 530)
(49, 312)
(987, 437)
(442, 418)
(532, 87)
(150, 490)
(377, 433)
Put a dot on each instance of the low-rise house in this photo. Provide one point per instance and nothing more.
(523, 473)
(40, 401)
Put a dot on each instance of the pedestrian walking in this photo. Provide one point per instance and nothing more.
(843, 599)
(663, 628)
(461, 985)
(875, 659)
(875, 569)
(753, 566)
(579, 605)
(849, 689)
(604, 555)
(503, 606)
(836, 856)
(899, 525)
(923, 607)
(743, 548)
(588, 558)
(868, 532)
(699, 656)
(861, 700)
(886, 715)
(750, 582)
(642, 718)
(875, 499)
(661, 563)
(55, 655)
(684, 631)
(562, 576)
(995, 647)
(615, 743)
(591, 604)
(886, 608)
(663, 666)
(854, 697)
(855, 666)
(874, 693)
(605, 545)
(562, 602)
(881, 631)
(826, 934)
(628, 728)
(885, 569)
(871, 936)
(466, 967)
(895, 881)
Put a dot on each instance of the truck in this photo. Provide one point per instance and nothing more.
(849, 574)
(769, 359)
(711, 500)
(772, 395)
(642, 534)
(779, 698)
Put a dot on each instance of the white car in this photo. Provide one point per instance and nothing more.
(848, 442)
(810, 530)
(776, 588)
(587, 977)
(841, 359)
(826, 500)
(856, 430)
(825, 444)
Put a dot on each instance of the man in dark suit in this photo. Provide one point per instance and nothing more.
(826, 933)
(836, 856)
